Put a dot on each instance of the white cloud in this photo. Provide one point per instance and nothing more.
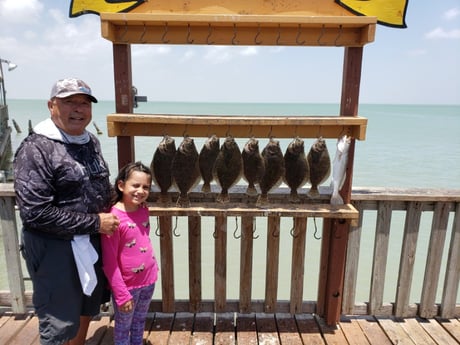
(452, 13)
(20, 11)
(249, 51)
(442, 33)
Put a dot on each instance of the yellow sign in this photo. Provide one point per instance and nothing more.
(388, 12)
(79, 7)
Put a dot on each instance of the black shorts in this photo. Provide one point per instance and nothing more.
(58, 297)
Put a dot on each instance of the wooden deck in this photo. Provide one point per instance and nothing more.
(245, 329)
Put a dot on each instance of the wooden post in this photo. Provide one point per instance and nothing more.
(339, 229)
(123, 98)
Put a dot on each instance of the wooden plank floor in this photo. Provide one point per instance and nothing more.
(249, 329)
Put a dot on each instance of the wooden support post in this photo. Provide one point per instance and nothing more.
(339, 229)
(123, 98)
(167, 264)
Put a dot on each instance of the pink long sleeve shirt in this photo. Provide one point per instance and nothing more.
(128, 258)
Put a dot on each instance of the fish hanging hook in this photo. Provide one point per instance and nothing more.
(141, 39)
(299, 32)
(157, 229)
(321, 35)
(235, 236)
(276, 232)
(184, 133)
(175, 228)
(338, 36)
(163, 38)
(209, 35)
(316, 230)
(189, 40)
(234, 34)
(254, 228)
(257, 35)
(293, 230)
(279, 34)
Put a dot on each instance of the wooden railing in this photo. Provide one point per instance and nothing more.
(438, 297)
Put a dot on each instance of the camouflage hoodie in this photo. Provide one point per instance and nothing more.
(60, 187)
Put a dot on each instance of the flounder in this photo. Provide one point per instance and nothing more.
(207, 159)
(320, 165)
(185, 170)
(297, 171)
(253, 165)
(161, 166)
(228, 167)
(274, 170)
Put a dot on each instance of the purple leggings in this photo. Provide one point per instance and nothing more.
(129, 327)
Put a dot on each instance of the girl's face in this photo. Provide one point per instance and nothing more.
(135, 189)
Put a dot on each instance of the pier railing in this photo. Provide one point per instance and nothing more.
(408, 240)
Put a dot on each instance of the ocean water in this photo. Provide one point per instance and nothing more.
(406, 146)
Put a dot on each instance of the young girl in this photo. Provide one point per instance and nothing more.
(128, 258)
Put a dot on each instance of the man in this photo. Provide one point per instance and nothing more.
(63, 193)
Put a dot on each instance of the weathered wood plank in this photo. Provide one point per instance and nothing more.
(161, 328)
(333, 334)
(416, 332)
(182, 329)
(394, 331)
(437, 332)
(220, 262)
(406, 265)
(246, 258)
(439, 224)
(225, 329)
(382, 237)
(298, 263)
(203, 329)
(266, 329)
(452, 326)
(194, 253)
(308, 329)
(287, 329)
(167, 264)
(97, 329)
(451, 281)
(352, 331)
(246, 330)
(272, 265)
(372, 330)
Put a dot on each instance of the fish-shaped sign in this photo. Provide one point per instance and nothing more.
(79, 7)
(388, 12)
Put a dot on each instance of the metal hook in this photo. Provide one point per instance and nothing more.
(234, 35)
(279, 34)
(157, 229)
(276, 233)
(338, 36)
(257, 35)
(316, 230)
(214, 234)
(143, 34)
(190, 41)
(175, 228)
(235, 236)
(254, 231)
(209, 34)
(299, 32)
(122, 38)
(321, 35)
(292, 231)
(163, 38)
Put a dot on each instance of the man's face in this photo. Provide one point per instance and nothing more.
(71, 114)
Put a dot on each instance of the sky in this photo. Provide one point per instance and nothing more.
(416, 65)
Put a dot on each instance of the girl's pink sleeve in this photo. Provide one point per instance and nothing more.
(110, 245)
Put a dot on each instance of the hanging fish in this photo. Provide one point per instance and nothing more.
(161, 166)
(339, 167)
(185, 170)
(320, 165)
(253, 165)
(228, 167)
(274, 170)
(297, 171)
(207, 158)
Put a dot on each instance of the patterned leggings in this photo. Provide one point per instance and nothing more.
(129, 327)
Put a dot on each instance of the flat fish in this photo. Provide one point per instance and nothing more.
(274, 170)
(228, 167)
(253, 165)
(185, 170)
(320, 165)
(161, 166)
(339, 167)
(207, 159)
(297, 170)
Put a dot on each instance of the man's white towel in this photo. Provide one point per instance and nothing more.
(85, 257)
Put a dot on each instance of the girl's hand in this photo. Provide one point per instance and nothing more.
(127, 307)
